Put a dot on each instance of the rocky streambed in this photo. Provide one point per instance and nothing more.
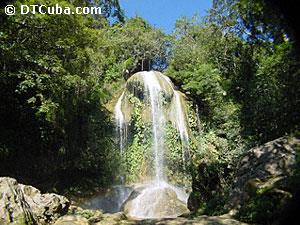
(23, 204)
(266, 179)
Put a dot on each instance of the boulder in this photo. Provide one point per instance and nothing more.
(154, 202)
(112, 219)
(135, 85)
(24, 204)
(14, 208)
(267, 182)
(264, 186)
(72, 220)
(46, 207)
(92, 215)
(265, 167)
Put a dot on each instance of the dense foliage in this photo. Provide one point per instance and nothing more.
(244, 77)
(59, 73)
(241, 66)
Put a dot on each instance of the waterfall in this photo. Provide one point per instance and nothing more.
(198, 118)
(120, 124)
(180, 120)
(153, 90)
(154, 85)
(181, 126)
(163, 105)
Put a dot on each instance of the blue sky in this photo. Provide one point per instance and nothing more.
(164, 13)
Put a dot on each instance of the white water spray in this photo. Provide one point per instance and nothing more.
(120, 123)
(157, 198)
(153, 90)
(181, 126)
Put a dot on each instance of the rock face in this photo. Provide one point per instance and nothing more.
(22, 204)
(265, 167)
(14, 208)
(264, 187)
(267, 181)
(137, 87)
(148, 115)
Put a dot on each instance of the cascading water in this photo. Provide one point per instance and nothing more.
(181, 126)
(153, 90)
(180, 121)
(157, 198)
(120, 125)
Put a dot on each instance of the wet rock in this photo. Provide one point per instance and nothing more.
(135, 85)
(154, 202)
(136, 93)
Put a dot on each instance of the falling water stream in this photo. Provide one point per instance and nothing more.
(120, 125)
(153, 89)
(181, 126)
(154, 199)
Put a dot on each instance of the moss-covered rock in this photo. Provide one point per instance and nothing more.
(92, 215)
(265, 182)
(264, 188)
(72, 220)
(137, 117)
(136, 86)
(13, 207)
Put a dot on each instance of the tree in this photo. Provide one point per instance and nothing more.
(141, 46)
(52, 100)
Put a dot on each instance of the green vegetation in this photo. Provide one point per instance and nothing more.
(59, 73)
(138, 156)
(241, 67)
